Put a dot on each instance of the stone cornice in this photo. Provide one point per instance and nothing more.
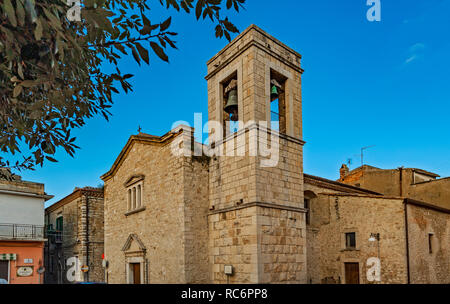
(259, 204)
(333, 185)
(256, 28)
(77, 193)
(28, 194)
(265, 48)
(257, 127)
(242, 50)
(140, 138)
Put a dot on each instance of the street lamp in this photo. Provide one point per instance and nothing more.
(375, 237)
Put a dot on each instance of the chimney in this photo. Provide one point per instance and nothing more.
(343, 171)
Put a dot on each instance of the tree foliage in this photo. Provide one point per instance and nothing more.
(51, 79)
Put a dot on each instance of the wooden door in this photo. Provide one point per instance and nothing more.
(136, 273)
(351, 273)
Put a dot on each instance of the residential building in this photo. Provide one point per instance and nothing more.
(349, 226)
(22, 236)
(75, 232)
(413, 183)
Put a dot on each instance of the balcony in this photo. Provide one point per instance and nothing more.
(21, 232)
(54, 236)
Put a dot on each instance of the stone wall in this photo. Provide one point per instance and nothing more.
(429, 267)
(257, 218)
(233, 241)
(263, 244)
(196, 187)
(159, 226)
(88, 247)
(401, 182)
(333, 215)
(172, 227)
(282, 246)
(436, 192)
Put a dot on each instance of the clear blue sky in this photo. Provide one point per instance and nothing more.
(384, 83)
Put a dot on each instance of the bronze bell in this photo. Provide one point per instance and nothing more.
(274, 93)
(232, 103)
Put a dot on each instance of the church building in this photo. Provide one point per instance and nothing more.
(241, 210)
(217, 217)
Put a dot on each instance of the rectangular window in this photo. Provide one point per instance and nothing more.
(430, 243)
(350, 240)
(59, 224)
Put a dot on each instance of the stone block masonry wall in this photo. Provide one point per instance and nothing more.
(91, 247)
(257, 221)
(160, 226)
(263, 244)
(363, 215)
(429, 267)
(170, 233)
(232, 178)
(282, 184)
(196, 219)
(76, 242)
(233, 241)
(282, 249)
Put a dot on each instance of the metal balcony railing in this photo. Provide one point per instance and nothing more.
(21, 231)
(54, 236)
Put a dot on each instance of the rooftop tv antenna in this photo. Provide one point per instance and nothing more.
(349, 162)
(362, 153)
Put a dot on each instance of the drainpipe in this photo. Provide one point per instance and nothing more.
(405, 202)
(401, 180)
(87, 237)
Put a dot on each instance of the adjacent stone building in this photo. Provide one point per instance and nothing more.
(348, 226)
(75, 233)
(414, 183)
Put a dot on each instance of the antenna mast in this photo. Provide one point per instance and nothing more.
(362, 153)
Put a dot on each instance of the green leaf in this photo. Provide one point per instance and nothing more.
(31, 10)
(38, 31)
(159, 51)
(121, 48)
(9, 9)
(51, 159)
(136, 55)
(198, 9)
(20, 12)
(142, 52)
(165, 25)
(17, 90)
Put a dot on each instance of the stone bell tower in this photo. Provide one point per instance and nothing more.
(256, 215)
